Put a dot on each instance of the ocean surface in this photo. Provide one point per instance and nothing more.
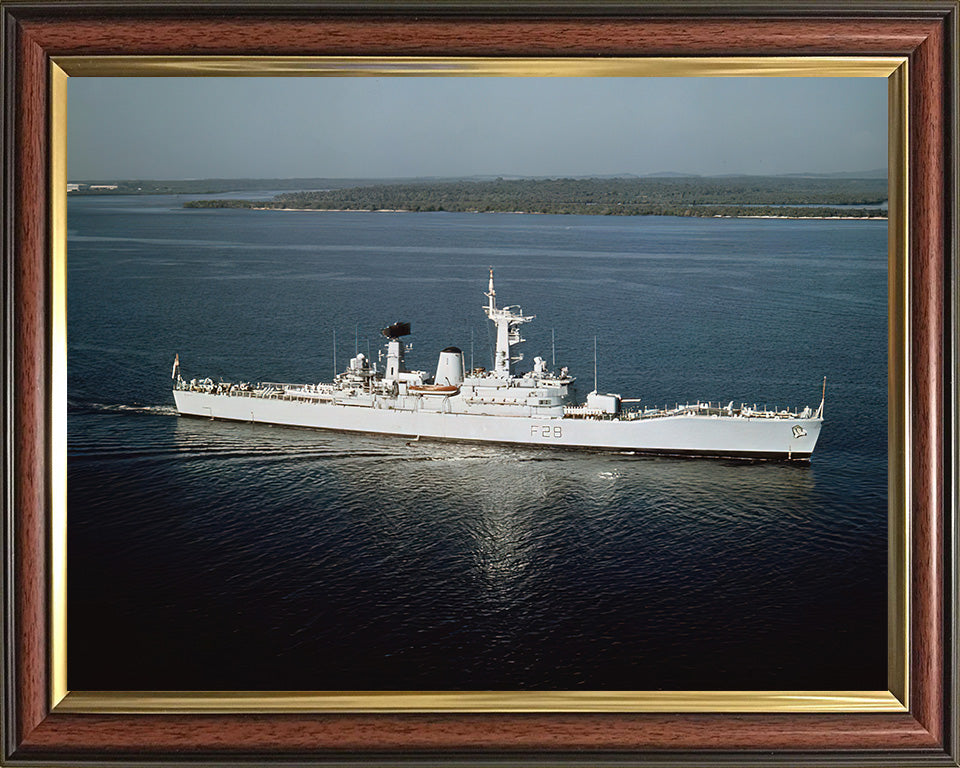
(213, 555)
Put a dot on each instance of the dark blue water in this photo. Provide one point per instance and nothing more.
(210, 555)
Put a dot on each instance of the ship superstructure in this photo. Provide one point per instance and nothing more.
(501, 405)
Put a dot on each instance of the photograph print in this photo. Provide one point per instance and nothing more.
(482, 383)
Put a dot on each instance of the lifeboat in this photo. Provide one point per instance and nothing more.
(434, 389)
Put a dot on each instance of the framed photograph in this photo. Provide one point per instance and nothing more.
(261, 194)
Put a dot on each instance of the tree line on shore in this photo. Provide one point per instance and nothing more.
(683, 196)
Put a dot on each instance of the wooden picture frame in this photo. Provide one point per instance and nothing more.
(38, 729)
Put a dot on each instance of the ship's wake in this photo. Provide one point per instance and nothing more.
(76, 407)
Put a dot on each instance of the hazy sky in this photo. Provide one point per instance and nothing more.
(422, 126)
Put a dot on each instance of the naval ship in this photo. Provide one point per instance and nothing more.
(535, 408)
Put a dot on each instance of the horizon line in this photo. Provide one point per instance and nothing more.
(871, 172)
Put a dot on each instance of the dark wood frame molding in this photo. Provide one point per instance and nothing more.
(925, 32)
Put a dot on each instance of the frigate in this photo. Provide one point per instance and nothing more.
(501, 405)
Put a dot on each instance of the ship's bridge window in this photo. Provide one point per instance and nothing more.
(544, 402)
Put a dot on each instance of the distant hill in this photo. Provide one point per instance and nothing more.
(876, 173)
(671, 175)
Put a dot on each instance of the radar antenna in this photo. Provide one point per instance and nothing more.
(396, 330)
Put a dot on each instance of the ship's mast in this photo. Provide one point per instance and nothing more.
(507, 321)
(594, 363)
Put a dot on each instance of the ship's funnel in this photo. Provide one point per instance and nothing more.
(450, 368)
(396, 330)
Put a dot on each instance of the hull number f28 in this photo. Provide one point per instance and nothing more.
(546, 431)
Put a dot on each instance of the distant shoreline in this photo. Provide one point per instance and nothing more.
(755, 197)
(818, 218)
(538, 213)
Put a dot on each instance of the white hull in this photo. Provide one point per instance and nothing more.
(691, 434)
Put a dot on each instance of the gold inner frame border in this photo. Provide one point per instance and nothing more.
(895, 699)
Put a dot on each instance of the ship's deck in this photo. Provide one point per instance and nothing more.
(330, 395)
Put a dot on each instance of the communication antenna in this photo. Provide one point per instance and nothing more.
(356, 339)
(553, 349)
(594, 363)
(471, 349)
(334, 353)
